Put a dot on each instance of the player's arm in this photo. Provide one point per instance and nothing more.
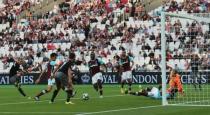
(22, 70)
(102, 64)
(188, 66)
(40, 76)
(56, 69)
(131, 60)
(88, 65)
(120, 67)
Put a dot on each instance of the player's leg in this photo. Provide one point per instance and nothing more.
(57, 89)
(172, 93)
(100, 88)
(129, 84)
(129, 76)
(123, 81)
(99, 78)
(193, 76)
(199, 80)
(142, 93)
(94, 82)
(69, 92)
(49, 88)
(16, 81)
(95, 86)
(68, 88)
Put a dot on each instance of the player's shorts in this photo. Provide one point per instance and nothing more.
(61, 79)
(16, 80)
(96, 77)
(126, 75)
(51, 82)
(194, 75)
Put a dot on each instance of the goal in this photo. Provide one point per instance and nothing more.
(185, 47)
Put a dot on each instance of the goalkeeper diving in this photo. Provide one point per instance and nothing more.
(175, 86)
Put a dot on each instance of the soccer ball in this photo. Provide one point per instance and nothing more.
(85, 96)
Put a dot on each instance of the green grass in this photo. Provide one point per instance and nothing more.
(113, 103)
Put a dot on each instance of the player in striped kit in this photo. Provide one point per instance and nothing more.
(125, 68)
(97, 78)
(50, 71)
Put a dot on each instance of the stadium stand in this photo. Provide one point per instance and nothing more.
(105, 28)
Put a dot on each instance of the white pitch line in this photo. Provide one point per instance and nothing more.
(56, 99)
(41, 113)
(116, 110)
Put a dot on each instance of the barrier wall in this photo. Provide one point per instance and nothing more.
(110, 78)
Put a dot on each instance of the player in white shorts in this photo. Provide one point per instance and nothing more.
(152, 92)
(125, 68)
(50, 70)
(94, 68)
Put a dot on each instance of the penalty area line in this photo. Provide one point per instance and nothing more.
(117, 110)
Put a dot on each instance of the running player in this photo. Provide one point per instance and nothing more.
(50, 70)
(63, 79)
(15, 74)
(125, 68)
(94, 68)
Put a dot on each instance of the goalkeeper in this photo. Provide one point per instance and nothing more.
(175, 84)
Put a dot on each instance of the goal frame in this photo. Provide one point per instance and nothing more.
(163, 49)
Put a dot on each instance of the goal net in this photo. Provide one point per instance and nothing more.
(185, 48)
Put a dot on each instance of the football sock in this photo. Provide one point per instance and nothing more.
(21, 91)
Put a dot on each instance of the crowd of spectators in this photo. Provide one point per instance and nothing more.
(10, 9)
(92, 25)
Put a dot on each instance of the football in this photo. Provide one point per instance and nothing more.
(85, 96)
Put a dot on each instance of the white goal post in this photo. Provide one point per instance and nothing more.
(197, 18)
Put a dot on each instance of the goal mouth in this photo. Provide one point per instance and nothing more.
(185, 40)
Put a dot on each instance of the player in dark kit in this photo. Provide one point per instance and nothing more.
(125, 68)
(194, 64)
(50, 70)
(63, 79)
(15, 74)
(94, 68)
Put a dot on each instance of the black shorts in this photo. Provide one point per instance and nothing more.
(61, 80)
(16, 80)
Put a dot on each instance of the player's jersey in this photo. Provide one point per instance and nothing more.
(15, 68)
(194, 64)
(65, 66)
(94, 66)
(125, 63)
(175, 82)
(154, 93)
(50, 67)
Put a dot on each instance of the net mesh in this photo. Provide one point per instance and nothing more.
(188, 52)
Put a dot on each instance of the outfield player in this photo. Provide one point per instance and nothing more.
(94, 68)
(194, 64)
(152, 92)
(63, 79)
(125, 68)
(15, 74)
(50, 70)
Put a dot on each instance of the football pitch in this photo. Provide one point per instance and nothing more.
(113, 103)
